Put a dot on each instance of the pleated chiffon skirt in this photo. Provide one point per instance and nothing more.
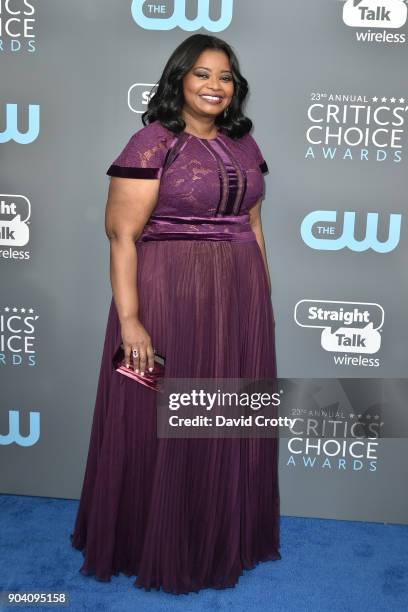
(183, 514)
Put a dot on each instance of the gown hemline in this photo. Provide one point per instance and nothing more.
(275, 556)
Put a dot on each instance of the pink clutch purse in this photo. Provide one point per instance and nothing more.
(151, 380)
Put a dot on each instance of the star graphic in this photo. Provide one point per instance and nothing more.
(375, 99)
(6, 308)
(402, 100)
(392, 99)
(383, 99)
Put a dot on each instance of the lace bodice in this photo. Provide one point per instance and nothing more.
(198, 177)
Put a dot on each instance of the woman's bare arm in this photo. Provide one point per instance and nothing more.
(256, 224)
(130, 204)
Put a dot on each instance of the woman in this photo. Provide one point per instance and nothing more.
(190, 280)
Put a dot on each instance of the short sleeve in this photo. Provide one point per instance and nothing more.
(143, 156)
(263, 166)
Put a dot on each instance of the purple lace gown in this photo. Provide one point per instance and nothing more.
(186, 514)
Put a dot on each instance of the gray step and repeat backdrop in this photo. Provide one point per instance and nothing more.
(329, 103)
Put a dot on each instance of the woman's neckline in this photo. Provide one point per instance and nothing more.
(194, 136)
(200, 138)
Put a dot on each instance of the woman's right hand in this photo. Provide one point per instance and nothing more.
(134, 336)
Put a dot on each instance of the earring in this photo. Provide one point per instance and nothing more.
(226, 112)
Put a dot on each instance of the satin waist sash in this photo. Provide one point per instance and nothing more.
(230, 227)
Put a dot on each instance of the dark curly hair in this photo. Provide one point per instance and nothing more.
(166, 104)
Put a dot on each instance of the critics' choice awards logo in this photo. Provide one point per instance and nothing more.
(17, 336)
(352, 447)
(12, 132)
(15, 212)
(372, 15)
(17, 26)
(139, 95)
(321, 230)
(355, 127)
(14, 434)
(170, 14)
(350, 329)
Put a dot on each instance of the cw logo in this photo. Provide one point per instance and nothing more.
(12, 133)
(156, 20)
(375, 13)
(313, 219)
(14, 430)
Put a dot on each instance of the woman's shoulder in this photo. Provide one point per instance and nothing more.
(144, 154)
(248, 142)
(153, 132)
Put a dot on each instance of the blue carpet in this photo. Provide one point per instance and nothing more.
(326, 566)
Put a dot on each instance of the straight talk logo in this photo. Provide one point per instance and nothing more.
(373, 15)
(15, 212)
(350, 329)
